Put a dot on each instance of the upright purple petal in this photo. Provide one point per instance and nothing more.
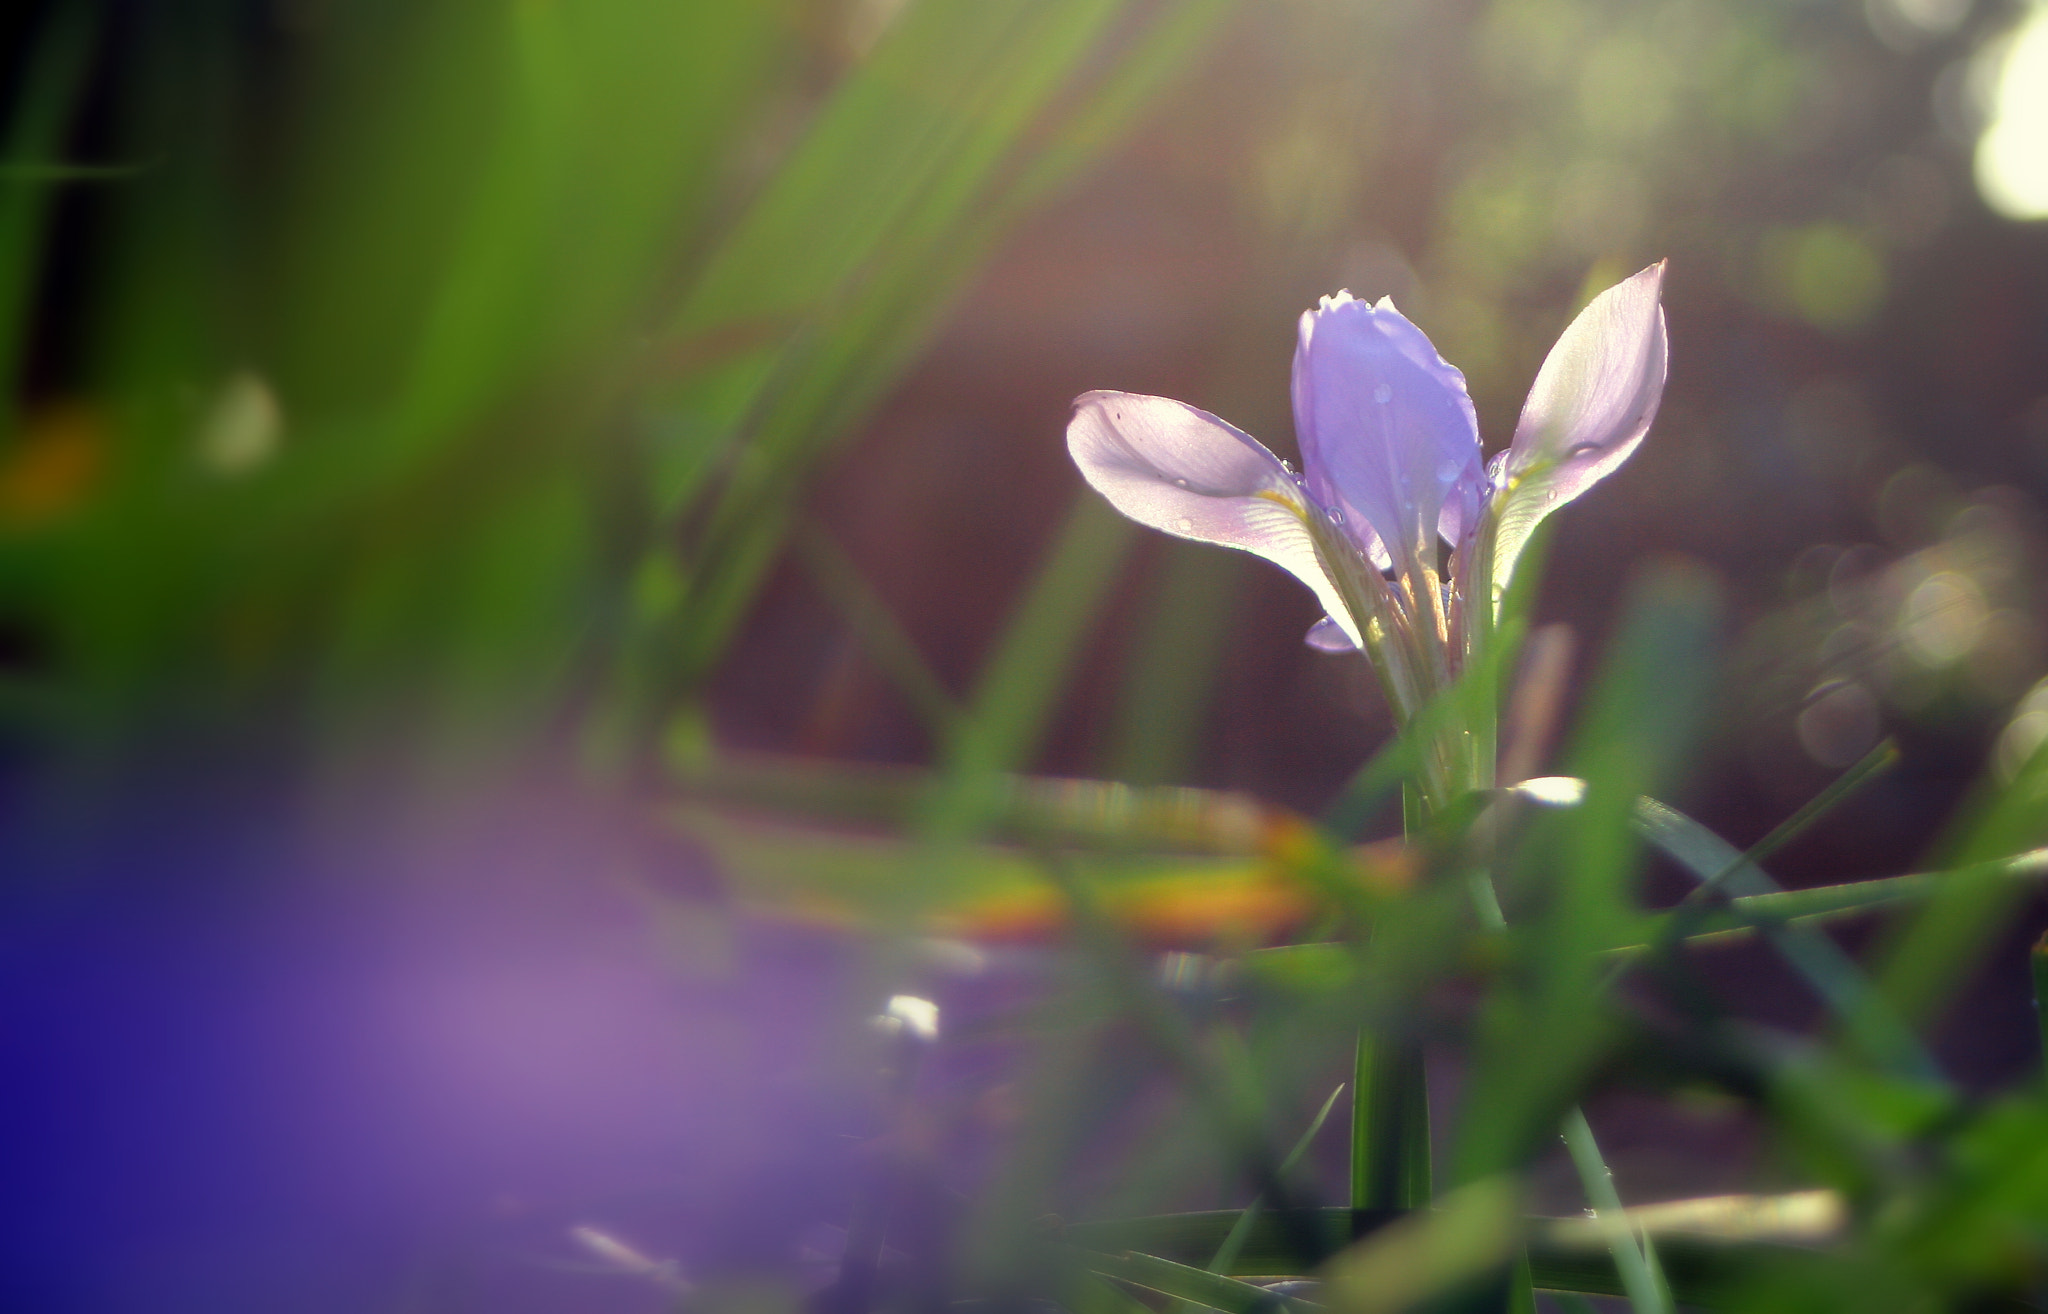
(1388, 435)
(1597, 392)
(1181, 470)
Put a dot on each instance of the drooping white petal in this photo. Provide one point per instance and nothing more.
(1387, 432)
(1592, 402)
(1181, 470)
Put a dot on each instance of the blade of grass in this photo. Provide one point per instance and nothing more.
(1390, 1150)
(1866, 769)
(912, 183)
(1233, 1244)
(38, 124)
(1021, 681)
(1186, 1283)
(1565, 1254)
(884, 640)
(1878, 1031)
(1545, 1022)
(1233, 1107)
(1455, 1247)
(1172, 667)
(1746, 915)
(1634, 1258)
(1918, 976)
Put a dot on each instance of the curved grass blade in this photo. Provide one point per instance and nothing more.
(1634, 1256)
(1875, 1028)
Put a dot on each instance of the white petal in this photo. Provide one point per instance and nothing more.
(1181, 470)
(1598, 390)
(1592, 402)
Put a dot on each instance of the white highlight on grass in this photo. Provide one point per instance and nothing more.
(1553, 791)
(917, 1018)
(621, 1256)
(2012, 153)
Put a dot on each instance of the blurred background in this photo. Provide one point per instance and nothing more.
(449, 446)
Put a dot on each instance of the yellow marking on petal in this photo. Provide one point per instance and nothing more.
(1279, 498)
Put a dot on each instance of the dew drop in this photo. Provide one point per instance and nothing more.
(1336, 516)
(1180, 483)
(1447, 470)
(1383, 394)
(1184, 525)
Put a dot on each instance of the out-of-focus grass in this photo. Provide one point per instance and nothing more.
(447, 376)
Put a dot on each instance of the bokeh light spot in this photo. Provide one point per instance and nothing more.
(2012, 155)
(1942, 618)
(242, 428)
(2025, 733)
(1829, 274)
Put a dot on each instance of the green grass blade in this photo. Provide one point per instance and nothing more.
(1647, 1292)
(1576, 869)
(37, 125)
(1233, 1244)
(1390, 1148)
(1024, 677)
(919, 188)
(1172, 667)
(1868, 768)
(881, 637)
(1918, 976)
(1877, 1030)
(1188, 1283)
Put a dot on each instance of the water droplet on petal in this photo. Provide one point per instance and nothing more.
(1383, 394)
(1180, 483)
(1184, 525)
(1447, 470)
(1336, 516)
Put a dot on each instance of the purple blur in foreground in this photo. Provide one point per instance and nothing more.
(1391, 462)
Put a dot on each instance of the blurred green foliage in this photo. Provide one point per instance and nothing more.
(436, 378)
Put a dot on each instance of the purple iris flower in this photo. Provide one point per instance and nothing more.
(1391, 465)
